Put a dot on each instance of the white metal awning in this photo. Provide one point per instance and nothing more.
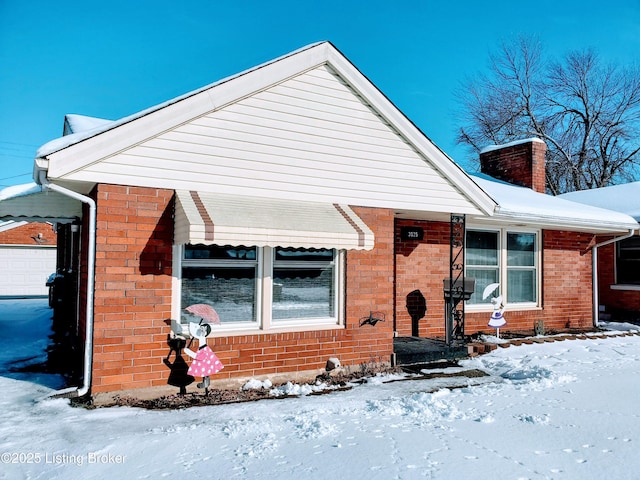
(31, 202)
(208, 218)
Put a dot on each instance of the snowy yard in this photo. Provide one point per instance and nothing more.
(561, 410)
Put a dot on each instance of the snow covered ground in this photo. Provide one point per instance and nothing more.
(561, 410)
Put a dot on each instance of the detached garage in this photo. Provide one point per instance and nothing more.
(28, 238)
(27, 256)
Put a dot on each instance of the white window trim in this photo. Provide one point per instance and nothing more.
(625, 286)
(617, 285)
(502, 269)
(264, 293)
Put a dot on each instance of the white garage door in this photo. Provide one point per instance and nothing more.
(24, 270)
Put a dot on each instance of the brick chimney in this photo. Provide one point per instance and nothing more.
(520, 162)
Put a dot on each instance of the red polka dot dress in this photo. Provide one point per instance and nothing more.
(206, 363)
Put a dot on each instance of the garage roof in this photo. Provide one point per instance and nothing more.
(30, 202)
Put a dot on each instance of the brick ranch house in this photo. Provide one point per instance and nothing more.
(298, 201)
(618, 262)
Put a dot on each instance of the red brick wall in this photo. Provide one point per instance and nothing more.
(606, 271)
(613, 300)
(133, 286)
(133, 299)
(133, 295)
(566, 291)
(23, 235)
(422, 265)
(521, 164)
(567, 297)
(369, 287)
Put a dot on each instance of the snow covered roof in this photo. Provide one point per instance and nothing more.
(29, 201)
(93, 140)
(15, 191)
(527, 206)
(84, 133)
(490, 148)
(11, 224)
(74, 123)
(623, 198)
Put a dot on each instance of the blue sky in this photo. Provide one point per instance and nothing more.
(110, 59)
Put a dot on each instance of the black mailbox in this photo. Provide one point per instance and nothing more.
(459, 290)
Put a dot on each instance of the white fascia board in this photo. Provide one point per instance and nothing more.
(39, 164)
(557, 223)
(124, 136)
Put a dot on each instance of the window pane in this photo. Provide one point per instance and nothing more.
(303, 293)
(521, 249)
(230, 291)
(482, 248)
(521, 285)
(211, 252)
(304, 254)
(628, 261)
(484, 277)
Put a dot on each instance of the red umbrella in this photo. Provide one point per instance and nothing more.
(205, 311)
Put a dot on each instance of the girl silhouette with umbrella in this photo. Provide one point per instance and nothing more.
(205, 363)
(497, 318)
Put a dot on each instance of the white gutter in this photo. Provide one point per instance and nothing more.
(594, 274)
(561, 222)
(91, 268)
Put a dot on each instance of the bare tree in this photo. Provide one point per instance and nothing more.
(588, 113)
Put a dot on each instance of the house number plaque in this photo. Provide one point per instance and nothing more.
(411, 233)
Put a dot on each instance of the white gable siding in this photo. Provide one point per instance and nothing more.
(310, 137)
